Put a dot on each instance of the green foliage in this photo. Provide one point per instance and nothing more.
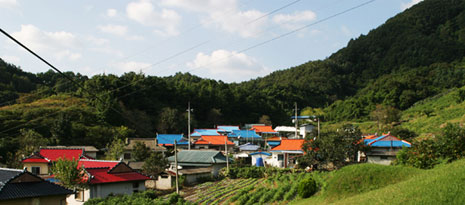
(140, 152)
(307, 187)
(155, 164)
(68, 173)
(426, 153)
(335, 147)
(115, 149)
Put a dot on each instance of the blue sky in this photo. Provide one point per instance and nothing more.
(204, 37)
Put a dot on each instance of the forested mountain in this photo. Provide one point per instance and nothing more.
(414, 55)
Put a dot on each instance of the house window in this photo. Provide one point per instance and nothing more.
(127, 155)
(79, 196)
(280, 157)
(35, 170)
(384, 157)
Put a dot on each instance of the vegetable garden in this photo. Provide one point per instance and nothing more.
(278, 188)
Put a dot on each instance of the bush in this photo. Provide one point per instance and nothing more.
(307, 187)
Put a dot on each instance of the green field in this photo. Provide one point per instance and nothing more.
(393, 185)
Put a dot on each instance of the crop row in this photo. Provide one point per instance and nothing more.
(223, 189)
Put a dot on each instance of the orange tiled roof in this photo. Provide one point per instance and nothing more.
(213, 140)
(289, 145)
(261, 128)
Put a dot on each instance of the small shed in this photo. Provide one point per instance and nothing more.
(259, 159)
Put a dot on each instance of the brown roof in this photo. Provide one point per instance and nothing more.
(195, 171)
(86, 148)
(149, 142)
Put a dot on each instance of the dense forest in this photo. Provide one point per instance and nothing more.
(417, 54)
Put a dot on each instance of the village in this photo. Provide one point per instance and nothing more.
(200, 155)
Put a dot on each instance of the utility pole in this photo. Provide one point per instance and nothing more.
(176, 165)
(295, 120)
(189, 124)
(226, 151)
(318, 127)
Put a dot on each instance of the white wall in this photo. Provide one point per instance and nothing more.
(103, 190)
(274, 160)
(267, 159)
(378, 160)
(72, 201)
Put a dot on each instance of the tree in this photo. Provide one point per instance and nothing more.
(168, 120)
(155, 164)
(385, 114)
(140, 152)
(333, 147)
(29, 142)
(265, 119)
(68, 172)
(115, 149)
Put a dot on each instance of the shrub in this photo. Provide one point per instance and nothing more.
(307, 187)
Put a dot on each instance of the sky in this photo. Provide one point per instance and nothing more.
(227, 40)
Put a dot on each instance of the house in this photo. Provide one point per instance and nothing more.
(225, 129)
(245, 136)
(214, 142)
(244, 151)
(89, 151)
(284, 155)
(197, 133)
(22, 187)
(260, 159)
(167, 140)
(40, 162)
(149, 142)
(198, 163)
(274, 141)
(263, 130)
(289, 131)
(166, 180)
(383, 148)
(104, 178)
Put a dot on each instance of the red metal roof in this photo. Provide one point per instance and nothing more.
(36, 160)
(54, 154)
(101, 175)
(262, 128)
(97, 163)
(289, 145)
(213, 140)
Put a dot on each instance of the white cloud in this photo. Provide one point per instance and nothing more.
(8, 3)
(114, 29)
(295, 20)
(407, 5)
(223, 15)
(112, 12)
(207, 6)
(57, 44)
(165, 21)
(97, 41)
(124, 67)
(228, 66)
(10, 59)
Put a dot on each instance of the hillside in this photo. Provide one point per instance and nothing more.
(441, 185)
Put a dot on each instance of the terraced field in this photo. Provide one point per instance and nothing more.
(278, 188)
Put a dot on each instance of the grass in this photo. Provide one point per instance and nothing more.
(393, 185)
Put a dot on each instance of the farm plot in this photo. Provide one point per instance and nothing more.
(277, 188)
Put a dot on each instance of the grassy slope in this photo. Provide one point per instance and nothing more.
(441, 185)
(444, 109)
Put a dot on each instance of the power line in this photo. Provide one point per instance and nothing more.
(288, 33)
(69, 78)
(272, 12)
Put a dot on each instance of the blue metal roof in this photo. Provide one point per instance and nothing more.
(264, 153)
(244, 134)
(169, 139)
(378, 142)
(205, 132)
(274, 143)
(227, 128)
(248, 147)
(304, 117)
